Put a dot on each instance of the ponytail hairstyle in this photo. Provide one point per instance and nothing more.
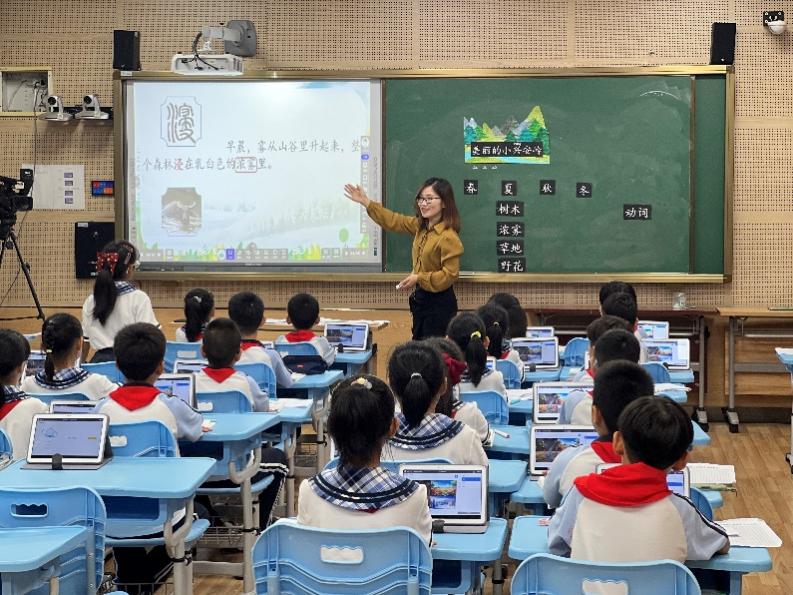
(58, 336)
(112, 265)
(361, 413)
(468, 331)
(496, 322)
(199, 304)
(416, 375)
(447, 349)
(14, 350)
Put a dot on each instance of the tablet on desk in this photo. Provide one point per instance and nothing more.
(541, 353)
(549, 397)
(35, 363)
(547, 441)
(540, 332)
(189, 366)
(78, 439)
(654, 329)
(673, 353)
(181, 386)
(352, 337)
(72, 406)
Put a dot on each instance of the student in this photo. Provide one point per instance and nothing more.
(417, 376)
(62, 341)
(617, 384)
(303, 313)
(221, 348)
(467, 331)
(246, 309)
(16, 408)
(449, 404)
(616, 344)
(199, 309)
(594, 331)
(496, 322)
(115, 302)
(624, 306)
(612, 287)
(518, 321)
(359, 493)
(628, 513)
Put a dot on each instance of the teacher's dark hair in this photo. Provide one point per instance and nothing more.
(451, 216)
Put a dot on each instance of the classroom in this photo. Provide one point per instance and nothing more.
(257, 257)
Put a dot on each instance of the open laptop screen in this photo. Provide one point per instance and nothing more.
(540, 332)
(654, 329)
(77, 438)
(542, 353)
(454, 493)
(674, 353)
(550, 440)
(189, 366)
(181, 386)
(72, 406)
(35, 363)
(352, 336)
(549, 397)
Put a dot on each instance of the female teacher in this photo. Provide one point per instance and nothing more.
(436, 252)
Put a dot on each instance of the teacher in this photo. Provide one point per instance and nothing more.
(436, 252)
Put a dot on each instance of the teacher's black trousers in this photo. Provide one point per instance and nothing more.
(432, 312)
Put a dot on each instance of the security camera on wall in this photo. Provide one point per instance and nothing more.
(55, 112)
(91, 110)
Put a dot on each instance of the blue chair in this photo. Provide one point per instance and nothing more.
(175, 350)
(50, 508)
(262, 374)
(6, 448)
(574, 351)
(702, 503)
(142, 439)
(231, 401)
(513, 375)
(657, 371)
(108, 369)
(544, 573)
(491, 403)
(302, 348)
(393, 466)
(48, 398)
(300, 560)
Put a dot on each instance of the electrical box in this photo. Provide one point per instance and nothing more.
(23, 90)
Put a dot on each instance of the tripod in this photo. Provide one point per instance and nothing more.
(11, 241)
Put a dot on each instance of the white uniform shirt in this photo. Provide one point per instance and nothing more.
(469, 414)
(95, 386)
(130, 308)
(237, 381)
(491, 380)
(18, 422)
(463, 449)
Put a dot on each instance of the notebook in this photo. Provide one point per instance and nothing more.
(72, 406)
(457, 494)
(352, 337)
(541, 353)
(540, 332)
(549, 396)
(178, 385)
(547, 441)
(673, 353)
(79, 439)
(679, 482)
(189, 366)
(35, 363)
(654, 329)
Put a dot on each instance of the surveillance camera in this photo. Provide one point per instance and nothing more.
(775, 21)
(92, 110)
(53, 100)
(55, 111)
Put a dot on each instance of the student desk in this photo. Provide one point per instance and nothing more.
(529, 537)
(521, 403)
(517, 443)
(541, 375)
(472, 550)
(351, 362)
(173, 480)
(504, 477)
(25, 550)
(787, 360)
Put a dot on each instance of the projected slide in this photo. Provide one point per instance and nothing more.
(228, 174)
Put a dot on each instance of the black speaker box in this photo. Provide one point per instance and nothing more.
(89, 238)
(126, 50)
(722, 43)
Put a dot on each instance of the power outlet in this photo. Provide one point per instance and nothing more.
(771, 16)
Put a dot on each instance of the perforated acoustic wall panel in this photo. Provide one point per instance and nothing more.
(384, 34)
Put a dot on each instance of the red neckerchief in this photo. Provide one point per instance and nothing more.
(299, 336)
(246, 344)
(7, 407)
(504, 354)
(219, 375)
(605, 450)
(591, 373)
(455, 367)
(626, 485)
(135, 396)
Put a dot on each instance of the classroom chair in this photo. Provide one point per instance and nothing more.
(108, 369)
(6, 448)
(657, 371)
(48, 398)
(43, 509)
(492, 404)
(230, 401)
(544, 573)
(303, 348)
(262, 374)
(513, 375)
(300, 560)
(702, 503)
(574, 351)
(150, 438)
(175, 350)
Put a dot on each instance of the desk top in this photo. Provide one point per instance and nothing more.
(29, 548)
(144, 477)
(542, 375)
(324, 380)
(472, 547)
(754, 312)
(353, 357)
(505, 476)
(518, 441)
(231, 427)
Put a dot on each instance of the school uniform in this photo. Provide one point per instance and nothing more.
(491, 380)
(628, 514)
(136, 402)
(639, 334)
(132, 305)
(321, 344)
(70, 380)
(573, 463)
(181, 335)
(435, 437)
(253, 352)
(347, 497)
(513, 356)
(218, 380)
(469, 414)
(16, 418)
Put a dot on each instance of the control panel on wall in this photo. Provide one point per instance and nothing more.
(24, 90)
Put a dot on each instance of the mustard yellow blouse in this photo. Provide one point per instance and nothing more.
(436, 251)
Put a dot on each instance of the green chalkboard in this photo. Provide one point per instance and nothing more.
(613, 150)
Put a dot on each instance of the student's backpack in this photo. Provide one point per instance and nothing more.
(306, 364)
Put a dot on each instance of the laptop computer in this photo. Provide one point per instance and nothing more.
(549, 396)
(673, 353)
(181, 386)
(35, 363)
(456, 494)
(189, 366)
(547, 441)
(679, 482)
(540, 332)
(352, 336)
(654, 329)
(541, 353)
(72, 406)
(490, 364)
(79, 439)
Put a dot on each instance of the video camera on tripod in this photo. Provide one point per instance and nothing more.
(14, 197)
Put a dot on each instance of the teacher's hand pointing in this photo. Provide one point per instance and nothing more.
(356, 194)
